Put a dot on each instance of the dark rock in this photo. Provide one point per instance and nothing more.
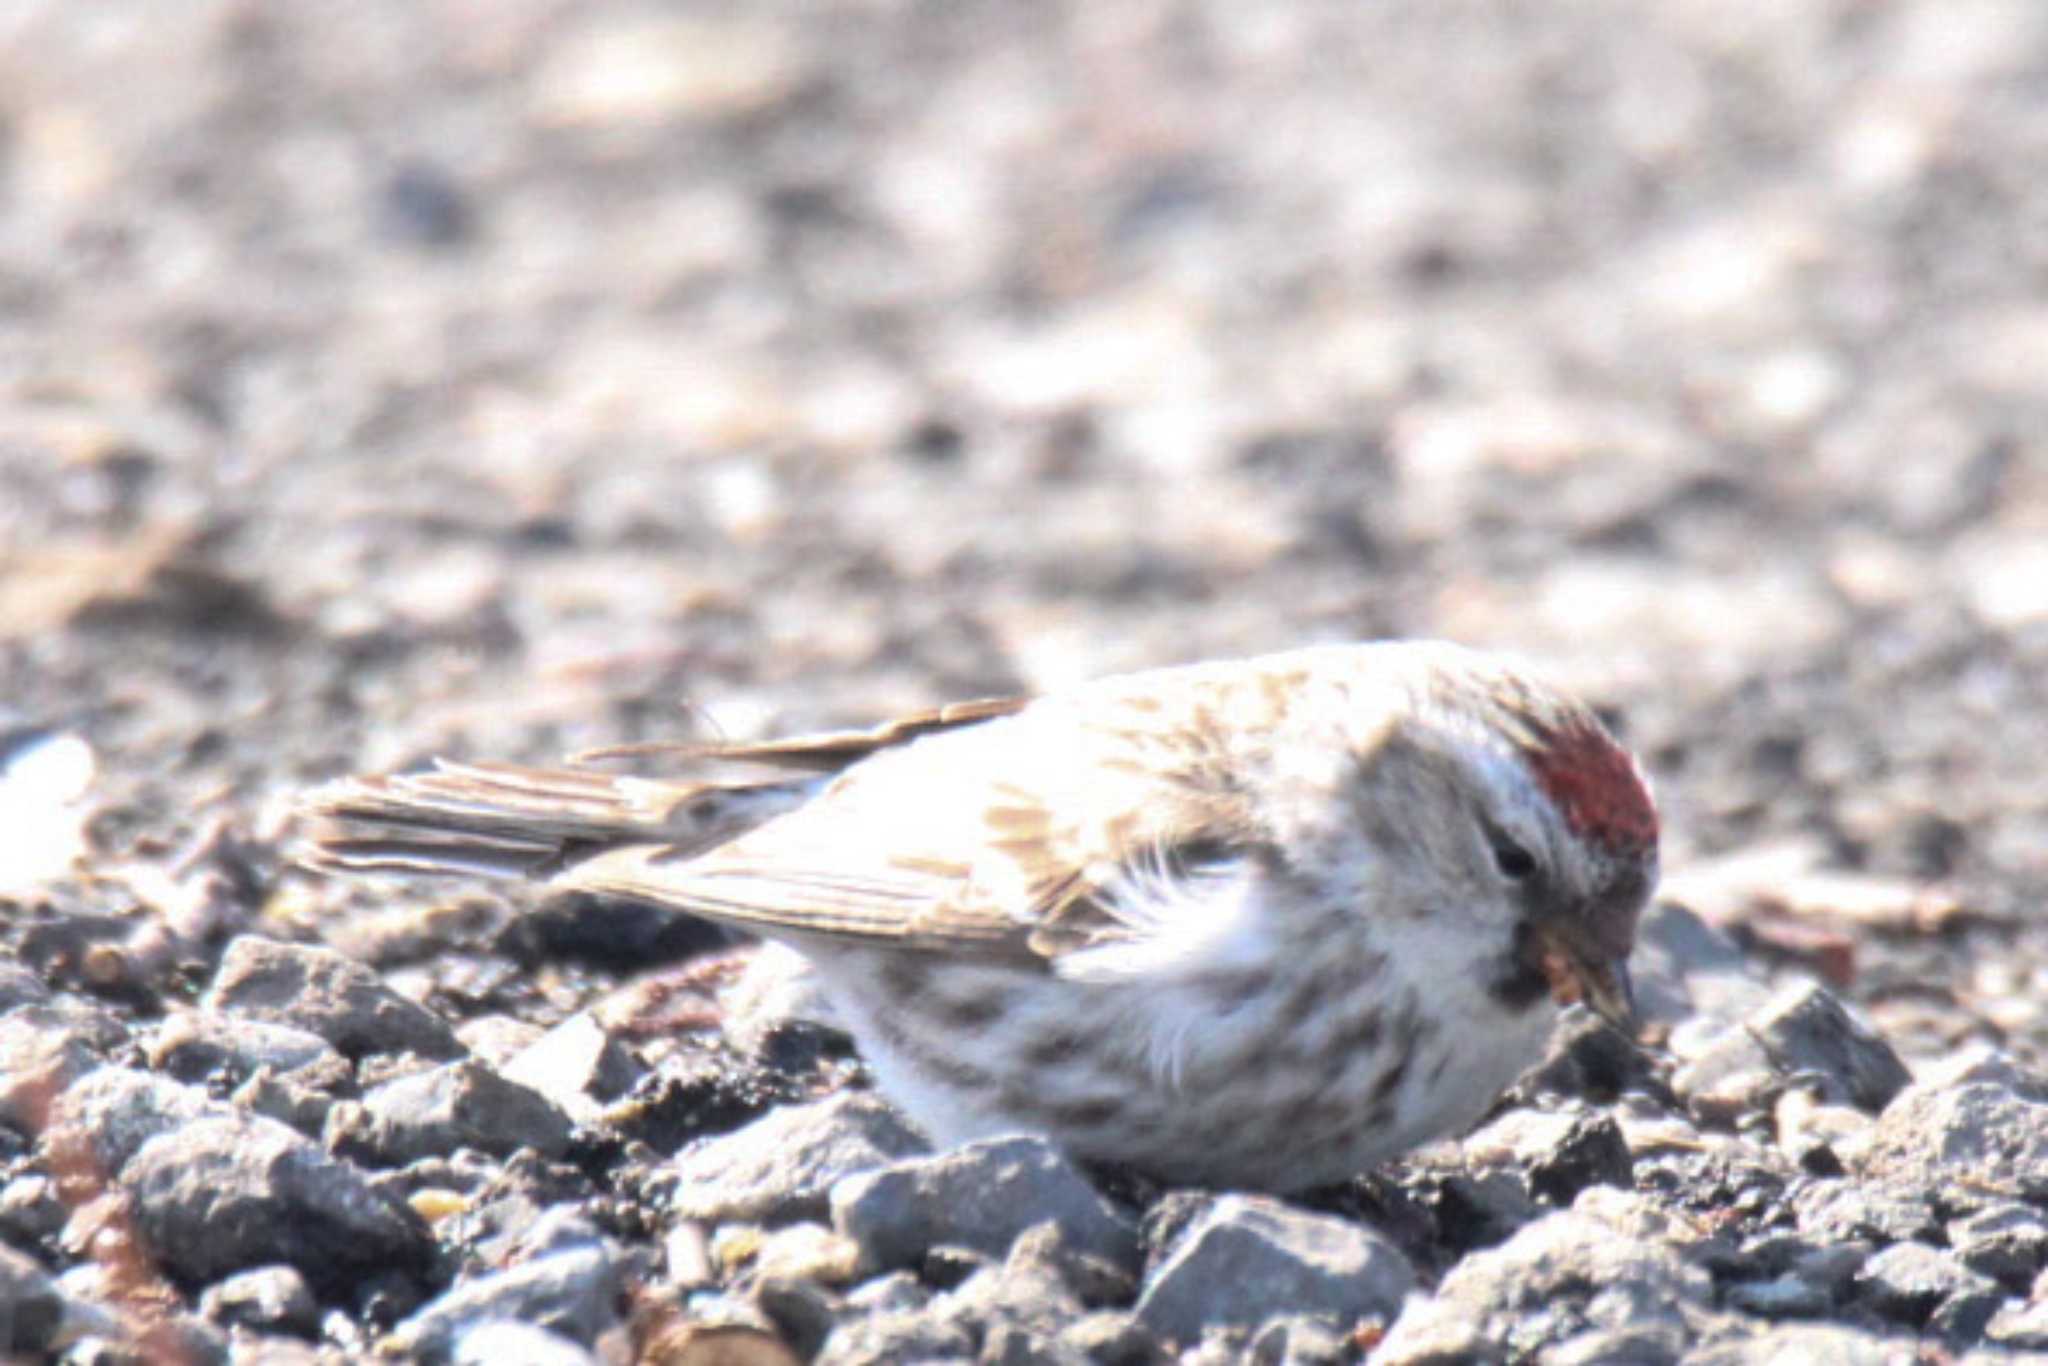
(1590, 1059)
(302, 1099)
(198, 1046)
(948, 1266)
(783, 1167)
(576, 1065)
(422, 205)
(268, 1299)
(803, 1313)
(31, 1308)
(1563, 1151)
(457, 1105)
(1472, 1210)
(31, 1210)
(1907, 1281)
(2007, 1242)
(1249, 1255)
(1806, 1029)
(220, 1195)
(321, 991)
(573, 1294)
(981, 1196)
(1960, 1319)
(2019, 1327)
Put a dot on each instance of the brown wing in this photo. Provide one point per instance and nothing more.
(830, 751)
(506, 820)
(1001, 841)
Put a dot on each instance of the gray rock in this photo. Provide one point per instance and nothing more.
(1482, 1208)
(42, 1054)
(200, 1045)
(783, 1166)
(576, 1065)
(1113, 1337)
(1005, 1344)
(457, 1105)
(1983, 1062)
(220, 1195)
(1960, 1319)
(897, 1292)
(2007, 1242)
(294, 1098)
(1095, 1281)
(1907, 1281)
(503, 1342)
(2019, 1327)
(803, 1313)
(113, 1111)
(31, 1306)
(1844, 1211)
(1637, 1344)
(31, 1210)
(573, 1294)
(1683, 965)
(981, 1196)
(1724, 1075)
(1806, 1029)
(1249, 1256)
(268, 1299)
(899, 1336)
(1805, 1344)
(1299, 1340)
(557, 1229)
(20, 987)
(1568, 1274)
(1563, 1151)
(319, 990)
(1789, 1296)
(1984, 1137)
(1018, 1310)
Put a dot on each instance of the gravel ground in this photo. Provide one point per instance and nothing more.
(405, 377)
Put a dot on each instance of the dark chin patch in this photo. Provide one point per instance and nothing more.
(1518, 982)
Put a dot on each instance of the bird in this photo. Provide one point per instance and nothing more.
(1259, 923)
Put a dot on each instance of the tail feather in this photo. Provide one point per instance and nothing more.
(500, 820)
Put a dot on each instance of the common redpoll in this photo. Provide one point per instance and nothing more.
(1257, 923)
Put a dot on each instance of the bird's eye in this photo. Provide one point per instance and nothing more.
(1515, 862)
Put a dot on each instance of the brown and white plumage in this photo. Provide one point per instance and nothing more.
(1258, 922)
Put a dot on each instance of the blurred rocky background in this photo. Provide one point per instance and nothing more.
(498, 380)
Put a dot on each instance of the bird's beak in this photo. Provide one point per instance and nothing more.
(1578, 973)
(1609, 992)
